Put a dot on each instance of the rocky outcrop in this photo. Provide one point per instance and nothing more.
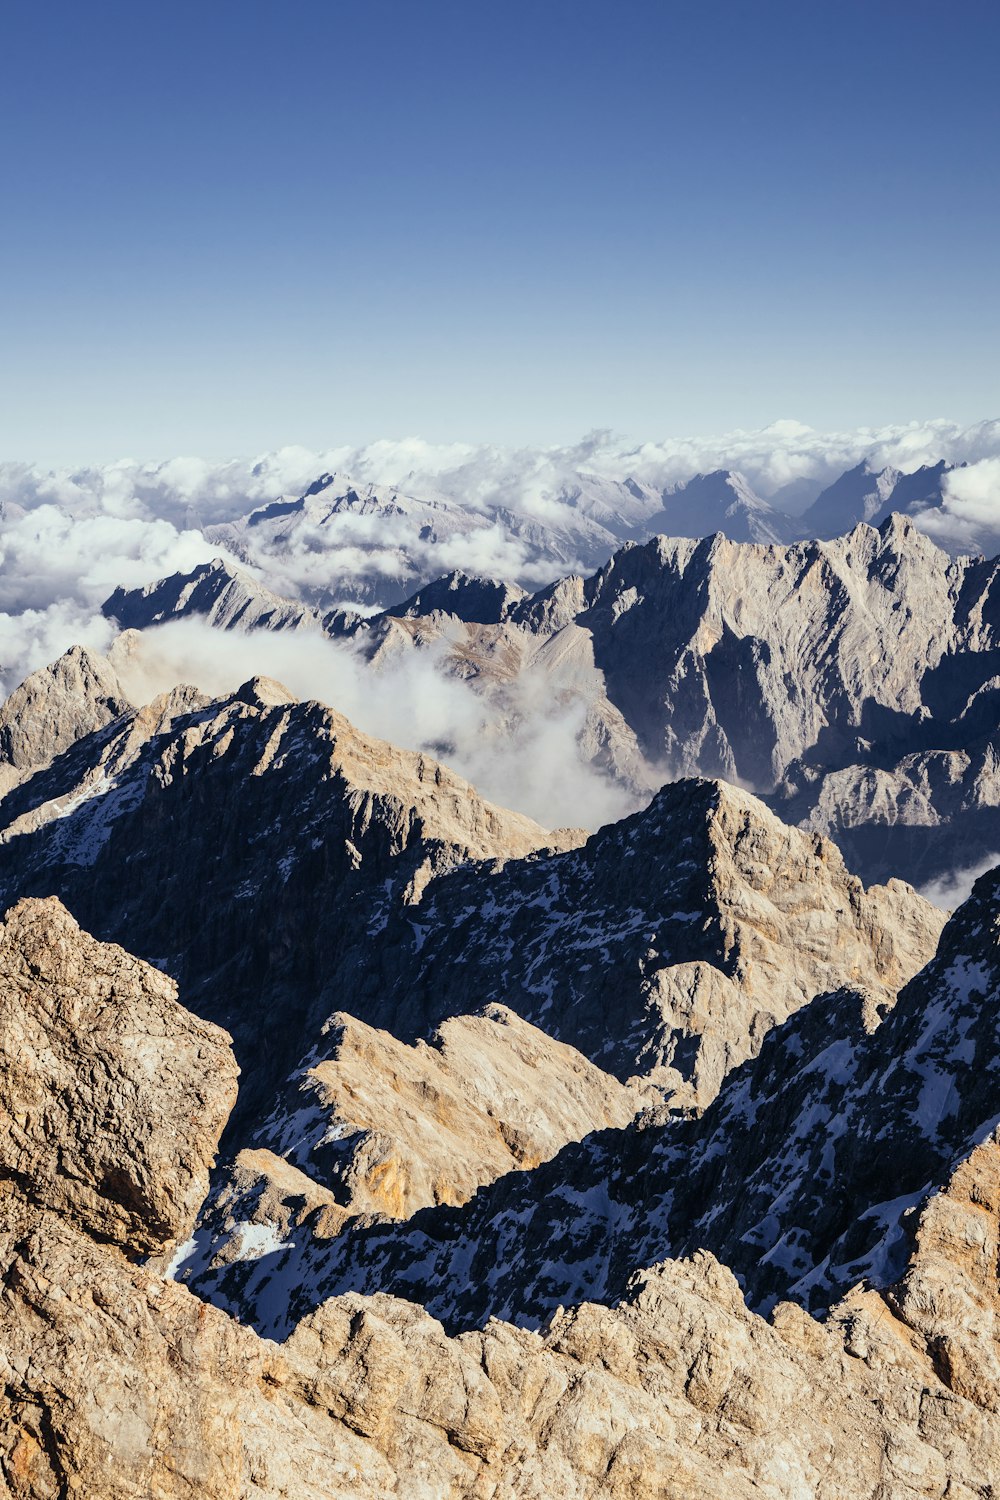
(102, 1076)
(217, 592)
(53, 709)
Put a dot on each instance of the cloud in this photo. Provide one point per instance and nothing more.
(973, 493)
(522, 752)
(949, 891)
(60, 561)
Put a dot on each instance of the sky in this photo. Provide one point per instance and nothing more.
(235, 226)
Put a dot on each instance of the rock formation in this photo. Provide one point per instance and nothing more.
(118, 1382)
(265, 839)
(55, 707)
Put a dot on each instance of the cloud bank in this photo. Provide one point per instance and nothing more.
(69, 537)
(522, 753)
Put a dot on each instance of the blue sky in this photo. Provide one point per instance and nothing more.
(230, 226)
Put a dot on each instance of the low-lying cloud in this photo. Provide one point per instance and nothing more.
(950, 890)
(522, 752)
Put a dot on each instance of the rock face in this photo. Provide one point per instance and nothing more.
(112, 1097)
(55, 707)
(392, 1128)
(119, 1383)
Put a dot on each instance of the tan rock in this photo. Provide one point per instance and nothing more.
(112, 1097)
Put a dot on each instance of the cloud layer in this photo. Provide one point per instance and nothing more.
(68, 538)
(522, 753)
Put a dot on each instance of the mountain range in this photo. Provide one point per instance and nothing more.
(852, 683)
(364, 1135)
(509, 1104)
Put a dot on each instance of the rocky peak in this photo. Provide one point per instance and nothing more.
(218, 592)
(55, 707)
(478, 601)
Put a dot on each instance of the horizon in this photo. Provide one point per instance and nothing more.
(813, 453)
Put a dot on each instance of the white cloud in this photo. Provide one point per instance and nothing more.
(973, 493)
(950, 890)
(521, 753)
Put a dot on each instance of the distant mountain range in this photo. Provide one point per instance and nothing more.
(340, 543)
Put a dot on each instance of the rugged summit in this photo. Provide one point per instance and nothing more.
(676, 1390)
(264, 839)
(55, 707)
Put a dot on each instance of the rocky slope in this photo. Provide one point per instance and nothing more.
(812, 1171)
(389, 1128)
(118, 1382)
(53, 708)
(264, 839)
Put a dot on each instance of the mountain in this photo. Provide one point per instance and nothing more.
(264, 838)
(221, 594)
(867, 494)
(343, 543)
(720, 501)
(262, 804)
(677, 1389)
(53, 708)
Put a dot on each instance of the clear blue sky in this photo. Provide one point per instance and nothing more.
(230, 224)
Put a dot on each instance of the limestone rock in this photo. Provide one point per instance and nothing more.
(266, 841)
(53, 709)
(374, 1126)
(112, 1097)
